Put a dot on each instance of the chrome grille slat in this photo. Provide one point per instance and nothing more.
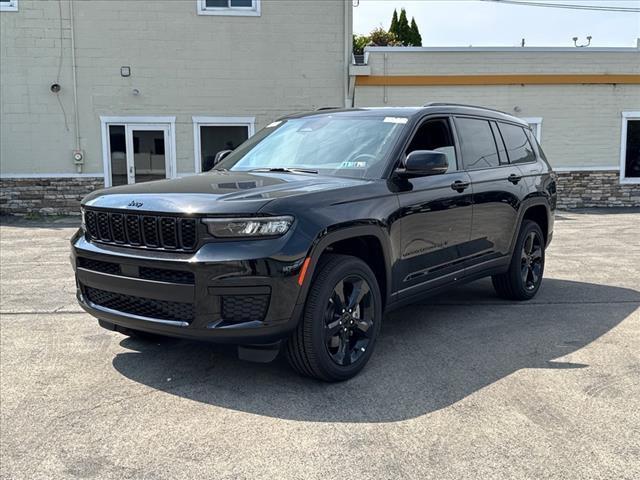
(141, 230)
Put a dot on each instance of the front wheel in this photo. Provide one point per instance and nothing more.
(524, 277)
(341, 321)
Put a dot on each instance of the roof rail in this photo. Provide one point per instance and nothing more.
(328, 108)
(445, 104)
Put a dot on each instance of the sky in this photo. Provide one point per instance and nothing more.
(479, 23)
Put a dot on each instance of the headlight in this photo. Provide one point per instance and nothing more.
(248, 227)
(82, 220)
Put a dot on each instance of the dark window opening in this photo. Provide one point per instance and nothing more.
(216, 138)
(632, 157)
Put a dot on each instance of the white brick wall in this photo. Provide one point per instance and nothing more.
(288, 59)
(581, 123)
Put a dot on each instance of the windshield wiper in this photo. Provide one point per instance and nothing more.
(283, 169)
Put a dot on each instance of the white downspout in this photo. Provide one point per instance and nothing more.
(75, 81)
(348, 41)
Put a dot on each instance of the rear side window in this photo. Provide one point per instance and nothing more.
(519, 148)
(477, 144)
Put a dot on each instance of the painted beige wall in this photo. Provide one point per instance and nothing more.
(289, 59)
(581, 123)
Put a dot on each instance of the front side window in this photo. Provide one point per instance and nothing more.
(8, 5)
(338, 145)
(519, 148)
(630, 148)
(477, 143)
(229, 7)
(435, 135)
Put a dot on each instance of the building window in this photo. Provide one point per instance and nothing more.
(8, 5)
(229, 7)
(630, 148)
(214, 134)
(536, 126)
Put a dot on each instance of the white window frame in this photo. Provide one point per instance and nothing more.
(626, 116)
(10, 6)
(105, 122)
(201, 121)
(253, 11)
(537, 121)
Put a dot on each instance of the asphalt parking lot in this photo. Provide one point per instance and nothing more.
(461, 386)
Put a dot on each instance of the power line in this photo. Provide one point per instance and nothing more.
(596, 8)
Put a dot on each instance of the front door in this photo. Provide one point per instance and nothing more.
(139, 153)
(436, 215)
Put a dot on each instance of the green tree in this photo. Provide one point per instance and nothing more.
(416, 38)
(394, 23)
(404, 30)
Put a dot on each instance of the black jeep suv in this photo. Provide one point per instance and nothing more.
(305, 234)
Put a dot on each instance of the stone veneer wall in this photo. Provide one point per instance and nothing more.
(57, 196)
(584, 189)
(45, 196)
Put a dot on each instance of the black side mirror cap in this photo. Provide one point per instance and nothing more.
(422, 163)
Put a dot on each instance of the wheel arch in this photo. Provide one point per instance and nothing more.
(367, 242)
(538, 210)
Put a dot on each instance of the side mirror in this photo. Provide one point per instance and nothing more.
(220, 156)
(421, 163)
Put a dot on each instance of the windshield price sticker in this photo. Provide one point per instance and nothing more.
(399, 120)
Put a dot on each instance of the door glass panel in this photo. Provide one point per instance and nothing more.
(219, 137)
(435, 135)
(477, 143)
(518, 147)
(149, 155)
(118, 153)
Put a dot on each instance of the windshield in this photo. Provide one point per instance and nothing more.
(340, 145)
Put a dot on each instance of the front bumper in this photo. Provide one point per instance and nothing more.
(220, 293)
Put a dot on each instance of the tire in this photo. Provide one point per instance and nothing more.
(529, 255)
(328, 344)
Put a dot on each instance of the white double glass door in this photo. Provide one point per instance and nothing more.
(139, 153)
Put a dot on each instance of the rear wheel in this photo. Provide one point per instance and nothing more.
(341, 321)
(524, 277)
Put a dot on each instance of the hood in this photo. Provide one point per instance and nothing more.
(214, 192)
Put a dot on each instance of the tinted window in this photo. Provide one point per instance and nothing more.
(435, 135)
(477, 143)
(502, 152)
(518, 147)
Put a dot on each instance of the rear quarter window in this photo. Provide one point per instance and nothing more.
(519, 148)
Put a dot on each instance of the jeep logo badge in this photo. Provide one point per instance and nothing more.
(133, 203)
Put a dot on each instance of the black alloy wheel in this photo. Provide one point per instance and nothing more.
(531, 261)
(349, 320)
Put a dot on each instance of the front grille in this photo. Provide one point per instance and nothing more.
(99, 266)
(172, 233)
(244, 308)
(143, 307)
(163, 275)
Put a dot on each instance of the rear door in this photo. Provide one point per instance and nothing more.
(435, 215)
(497, 187)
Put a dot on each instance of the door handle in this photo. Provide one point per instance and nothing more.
(513, 178)
(460, 186)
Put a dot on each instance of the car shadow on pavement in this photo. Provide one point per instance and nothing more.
(429, 356)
